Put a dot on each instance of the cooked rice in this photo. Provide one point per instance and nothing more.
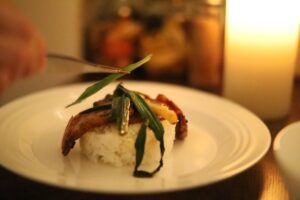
(105, 144)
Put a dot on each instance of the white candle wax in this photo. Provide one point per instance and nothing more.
(260, 53)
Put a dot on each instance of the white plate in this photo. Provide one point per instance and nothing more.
(224, 139)
(286, 150)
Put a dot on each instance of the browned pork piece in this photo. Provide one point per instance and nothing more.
(181, 126)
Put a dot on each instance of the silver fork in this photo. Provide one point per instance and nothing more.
(84, 66)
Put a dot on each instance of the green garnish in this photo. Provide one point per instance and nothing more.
(95, 108)
(140, 145)
(140, 149)
(120, 112)
(154, 123)
(145, 112)
(110, 78)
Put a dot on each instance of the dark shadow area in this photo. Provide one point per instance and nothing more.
(15, 187)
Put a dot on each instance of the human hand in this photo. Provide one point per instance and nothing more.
(22, 49)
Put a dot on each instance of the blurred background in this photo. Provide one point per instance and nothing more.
(186, 37)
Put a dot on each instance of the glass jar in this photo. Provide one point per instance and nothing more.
(113, 29)
(205, 54)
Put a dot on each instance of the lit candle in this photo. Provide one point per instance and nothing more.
(261, 38)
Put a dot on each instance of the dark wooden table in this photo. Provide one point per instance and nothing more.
(262, 181)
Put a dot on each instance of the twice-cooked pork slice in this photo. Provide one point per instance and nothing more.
(181, 126)
(82, 123)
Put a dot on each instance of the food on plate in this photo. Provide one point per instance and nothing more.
(127, 128)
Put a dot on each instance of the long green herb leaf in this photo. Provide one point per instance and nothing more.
(154, 124)
(110, 78)
(142, 173)
(140, 150)
(145, 112)
(140, 145)
(96, 108)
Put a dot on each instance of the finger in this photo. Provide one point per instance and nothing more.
(40, 52)
(37, 56)
(13, 56)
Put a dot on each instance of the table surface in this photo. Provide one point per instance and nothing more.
(262, 181)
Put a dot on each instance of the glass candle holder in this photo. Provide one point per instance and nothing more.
(261, 40)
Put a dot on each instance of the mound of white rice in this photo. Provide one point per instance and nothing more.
(106, 145)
